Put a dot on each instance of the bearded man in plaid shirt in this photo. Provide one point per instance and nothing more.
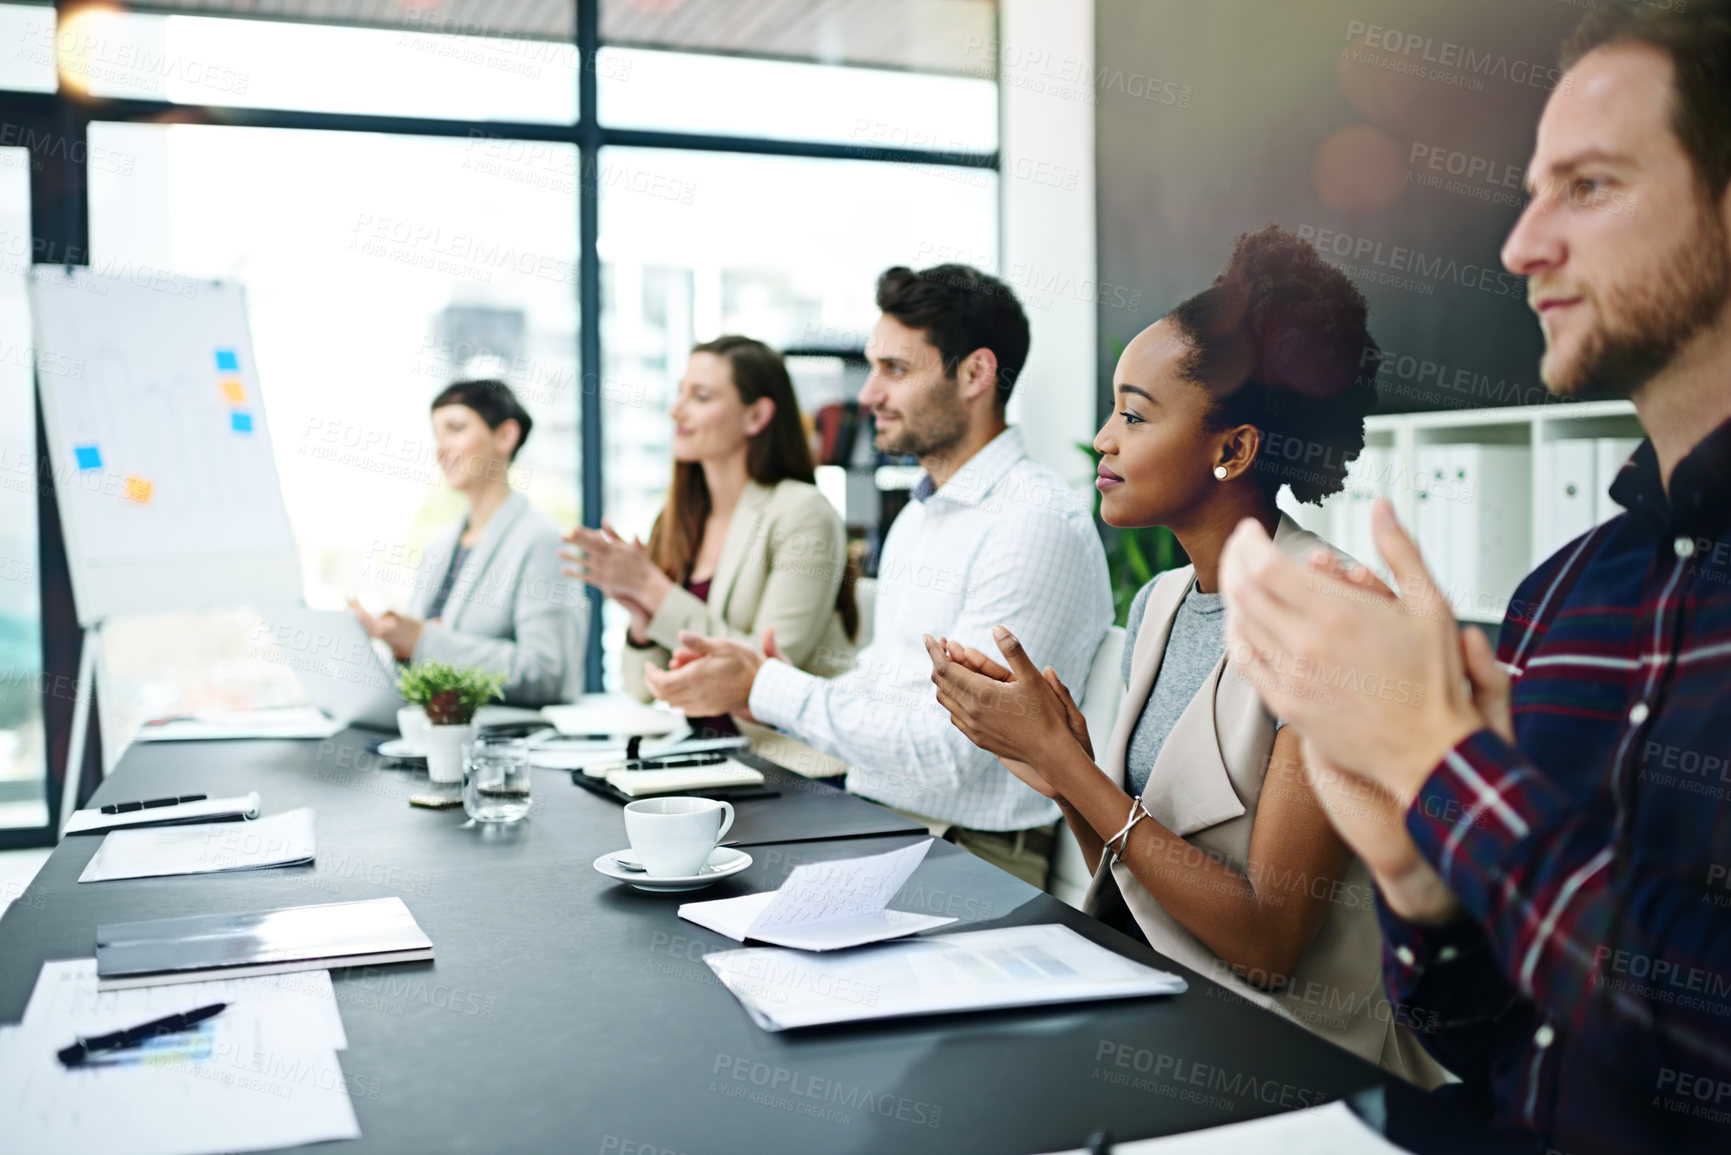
(1550, 827)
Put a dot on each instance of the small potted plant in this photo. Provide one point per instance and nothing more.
(450, 696)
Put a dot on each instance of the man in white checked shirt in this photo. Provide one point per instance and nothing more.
(991, 537)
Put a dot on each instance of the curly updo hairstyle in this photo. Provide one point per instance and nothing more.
(1280, 340)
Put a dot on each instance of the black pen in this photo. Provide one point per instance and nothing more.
(671, 762)
(80, 1051)
(675, 761)
(171, 800)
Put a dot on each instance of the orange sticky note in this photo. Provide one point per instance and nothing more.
(137, 489)
(234, 391)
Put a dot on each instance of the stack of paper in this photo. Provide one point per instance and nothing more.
(262, 1074)
(281, 840)
(1019, 966)
(824, 905)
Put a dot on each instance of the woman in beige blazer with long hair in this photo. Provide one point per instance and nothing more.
(746, 545)
(1205, 837)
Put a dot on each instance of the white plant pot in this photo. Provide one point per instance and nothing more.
(447, 750)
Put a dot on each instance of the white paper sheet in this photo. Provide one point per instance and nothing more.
(616, 715)
(824, 905)
(284, 839)
(234, 1091)
(576, 755)
(291, 722)
(262, 1074)
(186, 813)
(1331, 1129)
(302, 1005)
(968, 971)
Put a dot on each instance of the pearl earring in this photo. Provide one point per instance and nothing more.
(1220, 472)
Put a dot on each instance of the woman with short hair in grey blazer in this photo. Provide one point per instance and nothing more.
(746, 546)
(488, 592)
(1206, 839)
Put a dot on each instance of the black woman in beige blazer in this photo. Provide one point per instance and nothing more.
(1199, 820)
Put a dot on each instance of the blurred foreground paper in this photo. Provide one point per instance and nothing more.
(1331, 1129)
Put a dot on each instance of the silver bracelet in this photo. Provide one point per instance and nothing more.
(1137, 813)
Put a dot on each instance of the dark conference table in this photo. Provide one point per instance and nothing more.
(568, 1012)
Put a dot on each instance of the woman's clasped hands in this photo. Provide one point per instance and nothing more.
(1022, 714)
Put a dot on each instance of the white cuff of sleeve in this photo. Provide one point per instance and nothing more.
(779, 693)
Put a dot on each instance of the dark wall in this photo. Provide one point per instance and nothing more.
(1326, 117)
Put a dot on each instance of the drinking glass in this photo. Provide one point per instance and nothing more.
(496, 779)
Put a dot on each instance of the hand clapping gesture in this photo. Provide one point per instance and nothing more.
(1023, 715)
(620, 569)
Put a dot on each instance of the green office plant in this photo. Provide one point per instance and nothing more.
(1133, 556)
(449, 694)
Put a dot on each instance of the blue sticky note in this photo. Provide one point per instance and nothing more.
(240, 422)
(226, 361)
(89, 457)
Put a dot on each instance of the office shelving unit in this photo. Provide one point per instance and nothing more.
(1538, 488)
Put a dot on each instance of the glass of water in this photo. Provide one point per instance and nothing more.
(496, 780)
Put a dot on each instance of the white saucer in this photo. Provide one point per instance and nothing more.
(723, 861)
(401, 748)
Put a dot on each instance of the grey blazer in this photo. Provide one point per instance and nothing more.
(511, 608)
(780, 566)
(1205, 786)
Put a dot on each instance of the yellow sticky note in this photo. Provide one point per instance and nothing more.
(234, 391)
(137, 489)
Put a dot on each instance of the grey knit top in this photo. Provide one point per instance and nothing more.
(1193, 649)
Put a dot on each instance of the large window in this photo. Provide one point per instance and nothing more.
(405, 191)
(783, 249)
(430, 67)
(378, 269)
(23, 757)
(26, 48)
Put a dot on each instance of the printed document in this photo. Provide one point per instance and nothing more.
(824, 905)
(1019, 966)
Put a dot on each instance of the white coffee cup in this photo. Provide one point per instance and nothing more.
(412, 723)
(673, 837)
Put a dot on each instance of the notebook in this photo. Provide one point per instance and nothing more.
(642, 783)
(213, 946)
(649, 789)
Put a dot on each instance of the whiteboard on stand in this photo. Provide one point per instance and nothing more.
(161, 451)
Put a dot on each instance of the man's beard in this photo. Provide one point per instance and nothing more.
(1646, 325)
(936, 426)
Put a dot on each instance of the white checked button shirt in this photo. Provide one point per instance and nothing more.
(1004, 542)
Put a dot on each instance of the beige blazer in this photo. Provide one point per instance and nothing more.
(781, 566)
(1205, 786)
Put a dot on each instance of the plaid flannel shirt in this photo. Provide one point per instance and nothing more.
(1586, 989)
